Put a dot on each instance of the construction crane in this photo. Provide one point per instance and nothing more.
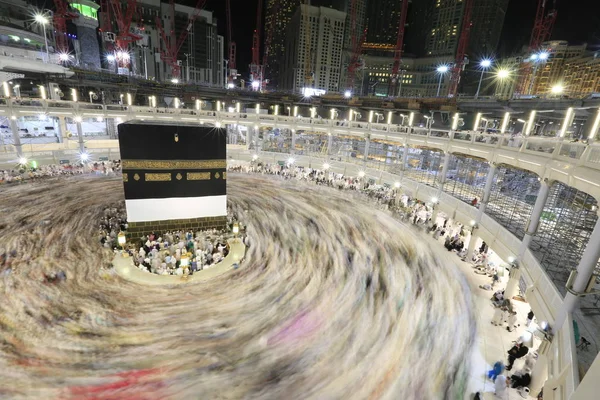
(541, 32)
(461, 50)
(357, 43)
(172, 43)
(124, 35)
(231, 45)
(395, 77)
(543, 25)
(60, 18)
(255, 67)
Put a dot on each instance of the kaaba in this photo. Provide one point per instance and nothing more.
(174, 176)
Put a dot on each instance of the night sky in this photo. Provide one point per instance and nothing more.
(577, 22)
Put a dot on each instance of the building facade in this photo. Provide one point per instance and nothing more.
(201, 54)
(278, 15)
(313, 51)
(383, 17)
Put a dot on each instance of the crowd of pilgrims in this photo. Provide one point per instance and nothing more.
(22, 173)
(161, 253)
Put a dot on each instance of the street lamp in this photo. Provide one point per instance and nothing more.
(502, 73)
(442, 69)
(42, 20)
(347, 94)
(484, 65)
(557, 89)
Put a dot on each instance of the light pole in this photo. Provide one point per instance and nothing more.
(42, 20)
(484, 65)
(442, 69)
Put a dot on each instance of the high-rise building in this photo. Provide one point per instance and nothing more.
(200, 56)
(313, 50)
(383, 17)
(351, 30)
(277, 17)
(86, 46)
(488, 20)
(546, 74)
(444, 33)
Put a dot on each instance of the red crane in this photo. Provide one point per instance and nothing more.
(124, 35)
(395, 77)
(461, 50)
(357, 44)
(61, 16)
(542, 30)
(231, 44)
(172, 44)
(543, 25)
(255, 67)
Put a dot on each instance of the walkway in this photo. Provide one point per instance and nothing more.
(493, 341)
(126, 270)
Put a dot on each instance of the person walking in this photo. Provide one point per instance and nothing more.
(530, 316)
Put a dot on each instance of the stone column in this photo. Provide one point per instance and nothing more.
(62, 127)
(585, 272)
(512, 286)
(293, 149)
(444, 172)
(486, 196)
(80, 137)
(367, 144)
(404, 158)
(14, 127)
(329, 143)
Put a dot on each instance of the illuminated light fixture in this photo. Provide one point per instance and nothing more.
(22, 161)
(295, 111)
(533, 57)
(43, 92)
(347, 94)
(442, 69)
(176, 102)
(350, 115)
(557, 89)
(396, 184)
(595, 127)
(42, 117)
(472, 222)
(291, 160)
(110, 57)
(567, 122)
(505, 122)
(129, 99)
(361, 174)
(258, 108)
(236, 228)
(74, 94)
(230, 86)
(218, 105)
(197, 104)
(119, 119)
(185, 260)
(326, 166)
(313, 112)
(84, 157)
(218, 125)
(434, 200)
(276, 109)
(543, 55)
(255, 157)
(13, 117)
(255, 85)
(255, 126)
(40, 19)
(477, 122)
(530, 123)
(455, 121)
(389, 118)
(485, 63)
(78, 119)
(99, 119)
(511, 259)
(370, 116)
(503, 73)
(64, 57)
(411, 118)
(175, 81)
(332, 113)
(6, 89)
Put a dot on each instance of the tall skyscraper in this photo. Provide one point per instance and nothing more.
(278, 16)
(382, 21)
(446, 20)
(350, 31)
(313, 50)
(488, 20)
